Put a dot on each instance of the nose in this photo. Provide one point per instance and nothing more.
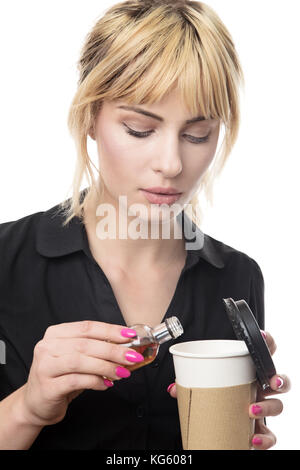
(168, 160)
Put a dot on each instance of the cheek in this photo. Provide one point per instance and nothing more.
(116, 159)
(200, 158)
(109, 148)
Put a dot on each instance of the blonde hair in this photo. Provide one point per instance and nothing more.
(140, 50)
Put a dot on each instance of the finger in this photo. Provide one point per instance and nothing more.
(270, 341)
(66, 384)
(172, 390)
(263, 438)
(91, 329)
(77, 363)
(278, 384)
(270, 407)
(118, 353)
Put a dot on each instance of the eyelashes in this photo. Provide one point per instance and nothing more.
(136, 133)
(142, 135)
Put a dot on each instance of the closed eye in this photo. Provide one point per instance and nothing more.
(142, 135)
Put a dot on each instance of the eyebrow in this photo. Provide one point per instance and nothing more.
(159, 118)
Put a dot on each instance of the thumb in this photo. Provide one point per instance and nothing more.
(172, 390)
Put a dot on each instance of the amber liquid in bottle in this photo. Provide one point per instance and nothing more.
(149, 351)
(149, 339)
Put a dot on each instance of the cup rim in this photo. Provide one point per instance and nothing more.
(230, 353)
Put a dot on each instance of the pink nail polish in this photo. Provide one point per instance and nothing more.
(263, 333)
(133, 356)
(170, 386)
(257, 441)
(256, 409)
(122, 372)
(279, 382)
(128, 333)
(108, 383)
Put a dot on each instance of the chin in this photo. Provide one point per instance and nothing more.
(159, 214)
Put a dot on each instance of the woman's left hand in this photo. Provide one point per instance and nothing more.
(263, 438)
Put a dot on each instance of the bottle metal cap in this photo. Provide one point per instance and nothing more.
(174, 326)
(246, 329)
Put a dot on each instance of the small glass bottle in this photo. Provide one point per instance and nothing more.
(149, 339)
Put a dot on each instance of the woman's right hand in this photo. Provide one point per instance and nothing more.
(70, 358)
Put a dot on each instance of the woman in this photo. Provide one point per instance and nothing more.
(158, 82)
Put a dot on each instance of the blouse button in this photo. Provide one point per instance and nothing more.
(140, 411)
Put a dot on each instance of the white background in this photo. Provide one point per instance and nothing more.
(256, 208)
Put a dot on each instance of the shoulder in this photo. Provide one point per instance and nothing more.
(17, 237)
(235, 260)
(16, 231)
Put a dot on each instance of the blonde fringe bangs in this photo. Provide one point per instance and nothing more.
(139, 51)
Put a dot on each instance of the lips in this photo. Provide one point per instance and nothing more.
(158, 198)
(163, 191)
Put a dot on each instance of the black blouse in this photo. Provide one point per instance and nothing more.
(49, 276)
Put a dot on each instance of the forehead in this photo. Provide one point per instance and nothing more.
(170, 100)
(170, 106)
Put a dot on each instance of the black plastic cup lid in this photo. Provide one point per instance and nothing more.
(246, 329)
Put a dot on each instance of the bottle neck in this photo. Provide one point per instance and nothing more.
(161, 333)
(169, 329)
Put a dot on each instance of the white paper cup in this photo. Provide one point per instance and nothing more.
(216, 383)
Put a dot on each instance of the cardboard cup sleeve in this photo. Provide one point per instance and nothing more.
(216, 418)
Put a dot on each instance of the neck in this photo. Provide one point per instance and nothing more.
(110, 236)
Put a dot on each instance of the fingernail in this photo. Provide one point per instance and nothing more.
(279, 382)
(128, 333)
(257, 441)
(122, 372)
(170, 386)
(263, 333)
(108, 383)
(256, 409)
(134, 356)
